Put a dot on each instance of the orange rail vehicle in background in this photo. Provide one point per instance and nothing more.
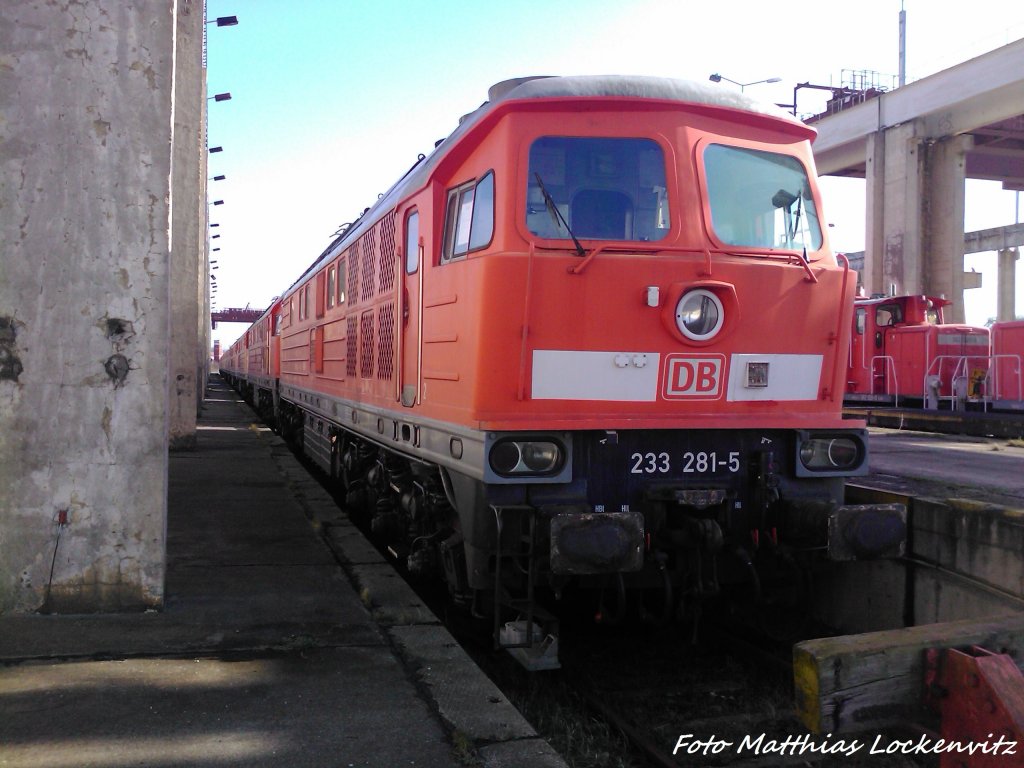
(597, 338)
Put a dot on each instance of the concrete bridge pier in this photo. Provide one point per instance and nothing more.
(98, 284)
(1006, 307)
(915, 213)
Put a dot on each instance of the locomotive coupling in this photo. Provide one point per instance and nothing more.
(850, 531)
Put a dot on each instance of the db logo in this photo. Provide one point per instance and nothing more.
(692, 376)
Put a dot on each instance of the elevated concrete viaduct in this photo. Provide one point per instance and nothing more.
(915, 146)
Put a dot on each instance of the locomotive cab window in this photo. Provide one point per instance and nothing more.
(412, 242)
(888, 314)
(760, 199)
(597, 188)
(469, 219)
(331, 278)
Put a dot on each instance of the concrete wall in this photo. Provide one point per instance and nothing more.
(966, 561)
(85, 166)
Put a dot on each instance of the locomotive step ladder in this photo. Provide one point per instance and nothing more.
(532, 644)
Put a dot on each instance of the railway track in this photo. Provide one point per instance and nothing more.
(726, 701)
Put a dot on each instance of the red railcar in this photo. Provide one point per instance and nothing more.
(597, 337)
(901, 351)
(1008, 365)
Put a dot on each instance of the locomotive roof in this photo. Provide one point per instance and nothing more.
(546, 87)
(639, 87)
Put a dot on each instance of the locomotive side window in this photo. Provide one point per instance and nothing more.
(760, 199)
(412, 242)
(482, 226)
(331, 282)
(469, 222)
(888, 314)
(861, 318)
(598, 188)
(341, 282)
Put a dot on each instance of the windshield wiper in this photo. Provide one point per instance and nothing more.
(556, 215)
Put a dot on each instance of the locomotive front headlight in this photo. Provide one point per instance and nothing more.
(541, 457)
(505, 457)
(831, 453)
(526, 457)
(699, 314)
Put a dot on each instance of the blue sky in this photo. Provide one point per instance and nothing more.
(332, 100)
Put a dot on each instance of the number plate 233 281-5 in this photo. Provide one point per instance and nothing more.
(687, 463)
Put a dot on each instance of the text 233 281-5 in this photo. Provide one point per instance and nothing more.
(699, 462)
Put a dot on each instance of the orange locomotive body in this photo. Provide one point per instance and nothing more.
(597, 336)
(902, 351)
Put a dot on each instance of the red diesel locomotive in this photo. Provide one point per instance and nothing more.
(901, 351)
(596, 338)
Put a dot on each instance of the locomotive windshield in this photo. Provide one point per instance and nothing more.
(597, 188)
(760, 199)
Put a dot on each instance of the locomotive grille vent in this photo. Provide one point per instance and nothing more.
(387, 254)
(351, 346)
(369, 248)
(353, 274)
(386, 341)
(366, 344)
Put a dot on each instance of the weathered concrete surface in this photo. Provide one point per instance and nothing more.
(85, 156)
(965, 555)
(189, 269)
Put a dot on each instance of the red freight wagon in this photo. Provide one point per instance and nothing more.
(1008, 364)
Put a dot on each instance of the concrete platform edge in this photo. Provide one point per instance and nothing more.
(465, 699)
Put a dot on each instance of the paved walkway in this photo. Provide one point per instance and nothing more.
(278, 645)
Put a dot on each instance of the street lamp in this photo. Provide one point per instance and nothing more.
(226, 96)
(211, 150)
(717, 78)
(224, 21)
(221, 177)
(217, 202)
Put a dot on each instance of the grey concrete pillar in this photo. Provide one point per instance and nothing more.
(901, 221)
(873, 278)
(942, 221)
(188, 236)
(85, 167)
(1006, 284)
